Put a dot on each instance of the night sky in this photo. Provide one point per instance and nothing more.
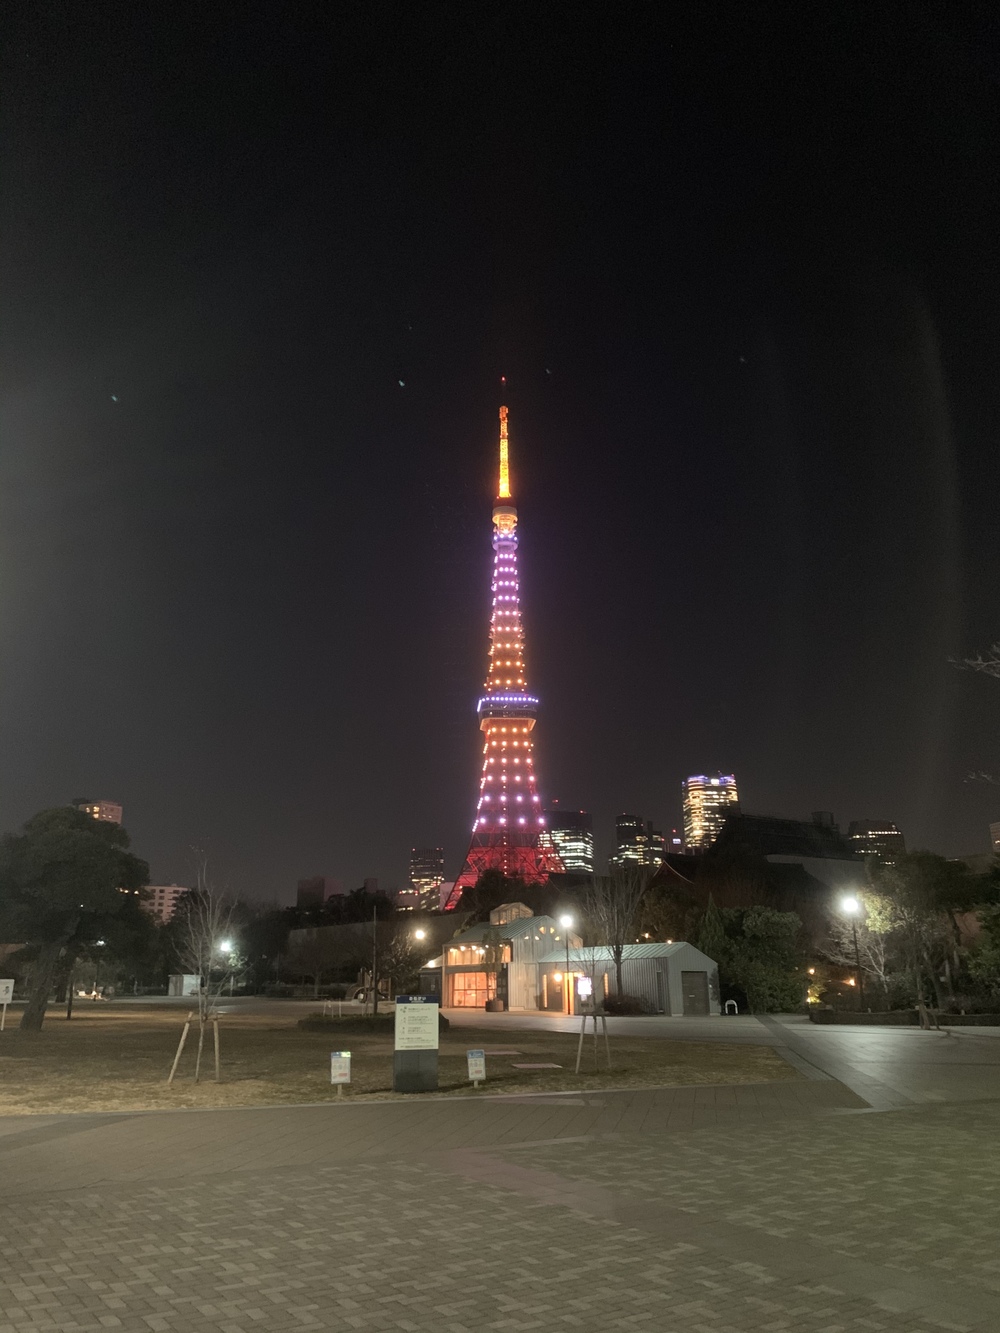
(263, 267)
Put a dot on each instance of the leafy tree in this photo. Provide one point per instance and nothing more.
(984, 961)
(60, 878)
(669, 911)
(711, 938)
(264, 931)
(759, 955)
(916, 899)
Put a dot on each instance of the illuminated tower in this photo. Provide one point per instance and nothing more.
(509, 814)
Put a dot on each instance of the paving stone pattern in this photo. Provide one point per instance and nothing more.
(791, 1206)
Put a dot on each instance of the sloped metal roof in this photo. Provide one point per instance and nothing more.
(511, 930)
(602, 954)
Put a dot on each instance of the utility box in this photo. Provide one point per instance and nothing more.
(181, 984)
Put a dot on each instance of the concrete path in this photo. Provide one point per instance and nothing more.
(798, 1206)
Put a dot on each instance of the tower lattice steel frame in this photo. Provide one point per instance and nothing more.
(509, 818)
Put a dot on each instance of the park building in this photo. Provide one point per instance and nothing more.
(708, 801)
(110, 812)
(523, 962)
(675, 979)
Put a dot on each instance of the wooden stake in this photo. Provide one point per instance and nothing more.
(201, 1044)
(215, 1025)
(180, 1047)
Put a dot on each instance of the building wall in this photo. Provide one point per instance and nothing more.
(639, 977)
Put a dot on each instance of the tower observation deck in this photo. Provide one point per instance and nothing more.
(509, 814)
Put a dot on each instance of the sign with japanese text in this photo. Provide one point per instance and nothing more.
(340, 1066)
(477, 1066)
(417, 1022)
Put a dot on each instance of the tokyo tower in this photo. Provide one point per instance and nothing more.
(505, 835)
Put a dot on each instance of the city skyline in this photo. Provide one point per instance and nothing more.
(251, 343)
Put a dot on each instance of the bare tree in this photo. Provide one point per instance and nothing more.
(206, 951)
(989, 665)
(611, 904)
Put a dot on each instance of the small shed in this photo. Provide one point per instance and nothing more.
(675, 979)
(183, 984)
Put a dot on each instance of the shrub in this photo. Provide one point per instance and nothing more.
(623, 1005)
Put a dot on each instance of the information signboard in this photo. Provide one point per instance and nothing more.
(477, 1066)
(6, 995)
(340, 1066)
(417, 1023)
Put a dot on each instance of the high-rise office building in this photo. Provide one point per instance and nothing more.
(109, 811)
(707, 801)
(570, 834)
(426, 878)
(314, 890)
(876, 837)
(637, 843)
(509, 812)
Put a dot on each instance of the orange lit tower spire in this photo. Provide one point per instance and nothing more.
(509, 813)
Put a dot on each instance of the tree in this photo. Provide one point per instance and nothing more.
(916, 898)
(611, 905)
(757, 953)
(400, 955)
(711, 939)
(877, 946)
(62, 875)
(204, 920)
(494, 950)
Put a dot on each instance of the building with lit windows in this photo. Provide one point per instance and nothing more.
(509, 818)
(876, 837)
(524, 940)
(570, 834)
(707, 801)
(109, 811)
(426, 878)
(637, 843)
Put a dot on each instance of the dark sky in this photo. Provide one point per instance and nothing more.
(740, 265)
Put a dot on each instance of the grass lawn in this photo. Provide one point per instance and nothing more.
(117, 1060)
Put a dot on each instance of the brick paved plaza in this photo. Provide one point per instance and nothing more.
(692, 1210)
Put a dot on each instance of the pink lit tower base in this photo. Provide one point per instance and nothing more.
(509, 814)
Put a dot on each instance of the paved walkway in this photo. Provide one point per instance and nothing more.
(790, 1206)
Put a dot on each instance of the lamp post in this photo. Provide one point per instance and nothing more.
(226, 949)
(851, 907)
(566, 921)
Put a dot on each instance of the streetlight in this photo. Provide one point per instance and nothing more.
(566, 921)
(226, 947)
(420, 934)
(851, 907)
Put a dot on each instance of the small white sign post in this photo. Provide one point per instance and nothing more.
(6, 995)
(477, 1067)
(415, 1059)
(340, 1069)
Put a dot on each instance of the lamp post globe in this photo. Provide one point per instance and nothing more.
(851, 907)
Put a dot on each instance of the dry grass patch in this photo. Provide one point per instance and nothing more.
(115, 1060)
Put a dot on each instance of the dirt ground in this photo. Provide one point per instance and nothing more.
(108, 1060)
